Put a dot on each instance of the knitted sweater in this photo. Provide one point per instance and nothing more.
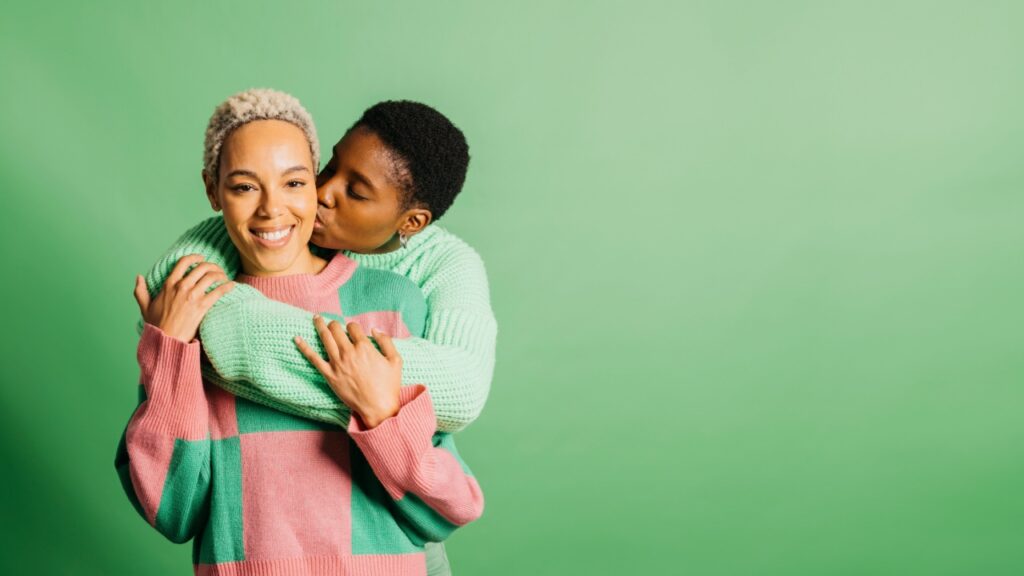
(248, 337)
(264, 492)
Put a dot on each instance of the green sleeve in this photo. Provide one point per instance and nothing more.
(210, 239)
(243, 325)
(455, 359)
(249, 338)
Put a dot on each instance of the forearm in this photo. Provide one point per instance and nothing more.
(455, 362)
(249, 339)
(250, 345)
(208, 238)
(163, 458)
(252, 354)
(431, 487)
(285, 383)
(455, 358)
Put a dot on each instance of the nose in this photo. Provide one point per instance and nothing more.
(271, 205)
(324, 195)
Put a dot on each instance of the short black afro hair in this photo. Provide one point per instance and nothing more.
(431, 153)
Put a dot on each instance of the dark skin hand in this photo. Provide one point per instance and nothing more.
(367, 380)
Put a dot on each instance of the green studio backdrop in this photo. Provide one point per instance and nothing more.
(757, 267)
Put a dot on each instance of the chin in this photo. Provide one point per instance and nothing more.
(274, 263)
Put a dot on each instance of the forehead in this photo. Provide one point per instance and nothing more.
(363, 151)
(267, 143)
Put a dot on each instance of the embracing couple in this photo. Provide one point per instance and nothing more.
(344, 338)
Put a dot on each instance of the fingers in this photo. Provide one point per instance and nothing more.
(179, 269)
(356, 334)
(142, 295)
(327, 339)
(211, 298)
(344, 345)
(204, 283)
(386, 345)
(321, 366)
(197, 274)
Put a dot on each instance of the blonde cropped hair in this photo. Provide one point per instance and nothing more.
(249, 106)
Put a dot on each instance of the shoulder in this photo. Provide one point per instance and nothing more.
(446, 255)
(443, 244)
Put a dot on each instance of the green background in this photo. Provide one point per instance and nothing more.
(757, 267)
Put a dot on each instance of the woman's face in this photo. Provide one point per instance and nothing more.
(360, 202)
(267, 190)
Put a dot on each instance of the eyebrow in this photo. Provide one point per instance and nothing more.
(355, 173)
(248, 173)
(252, 174)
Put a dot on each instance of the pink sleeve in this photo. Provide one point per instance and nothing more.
(173, 416)
(402, 454)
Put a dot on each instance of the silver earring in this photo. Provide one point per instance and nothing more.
(402, 239)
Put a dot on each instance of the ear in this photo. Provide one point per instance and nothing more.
(211, 191)
(414, 220)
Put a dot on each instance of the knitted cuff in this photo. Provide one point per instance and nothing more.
(175, 400)
(395, 447)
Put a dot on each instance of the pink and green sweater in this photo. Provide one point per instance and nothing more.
(265, 492)
(248, 337)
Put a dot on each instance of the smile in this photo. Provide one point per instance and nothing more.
(273, 238)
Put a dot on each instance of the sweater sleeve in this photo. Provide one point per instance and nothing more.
(244, 318)
(433, 490)
(209, 238)
(455, 359)
(163, 458)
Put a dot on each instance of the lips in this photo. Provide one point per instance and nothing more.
(273, 237)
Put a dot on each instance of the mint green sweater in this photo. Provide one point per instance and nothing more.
(248, 338)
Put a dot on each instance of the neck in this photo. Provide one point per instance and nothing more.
(305, 263)
(390, 246)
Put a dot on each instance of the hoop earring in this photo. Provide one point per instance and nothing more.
(402, 240)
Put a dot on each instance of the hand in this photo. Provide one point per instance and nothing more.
(180, 306)
(366, 380)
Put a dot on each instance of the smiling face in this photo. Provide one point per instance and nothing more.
(362, 206)
(266, 188)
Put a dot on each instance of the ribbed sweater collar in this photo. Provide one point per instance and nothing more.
(297, 289)
(389, 260)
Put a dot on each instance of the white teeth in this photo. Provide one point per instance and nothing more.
(271, 236)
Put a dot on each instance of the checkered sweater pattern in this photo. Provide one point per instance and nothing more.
(264, 492)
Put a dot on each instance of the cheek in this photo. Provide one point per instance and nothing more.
(304, 204)
(237, 211)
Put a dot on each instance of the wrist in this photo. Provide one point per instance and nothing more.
(373, 418)
(177, 332)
